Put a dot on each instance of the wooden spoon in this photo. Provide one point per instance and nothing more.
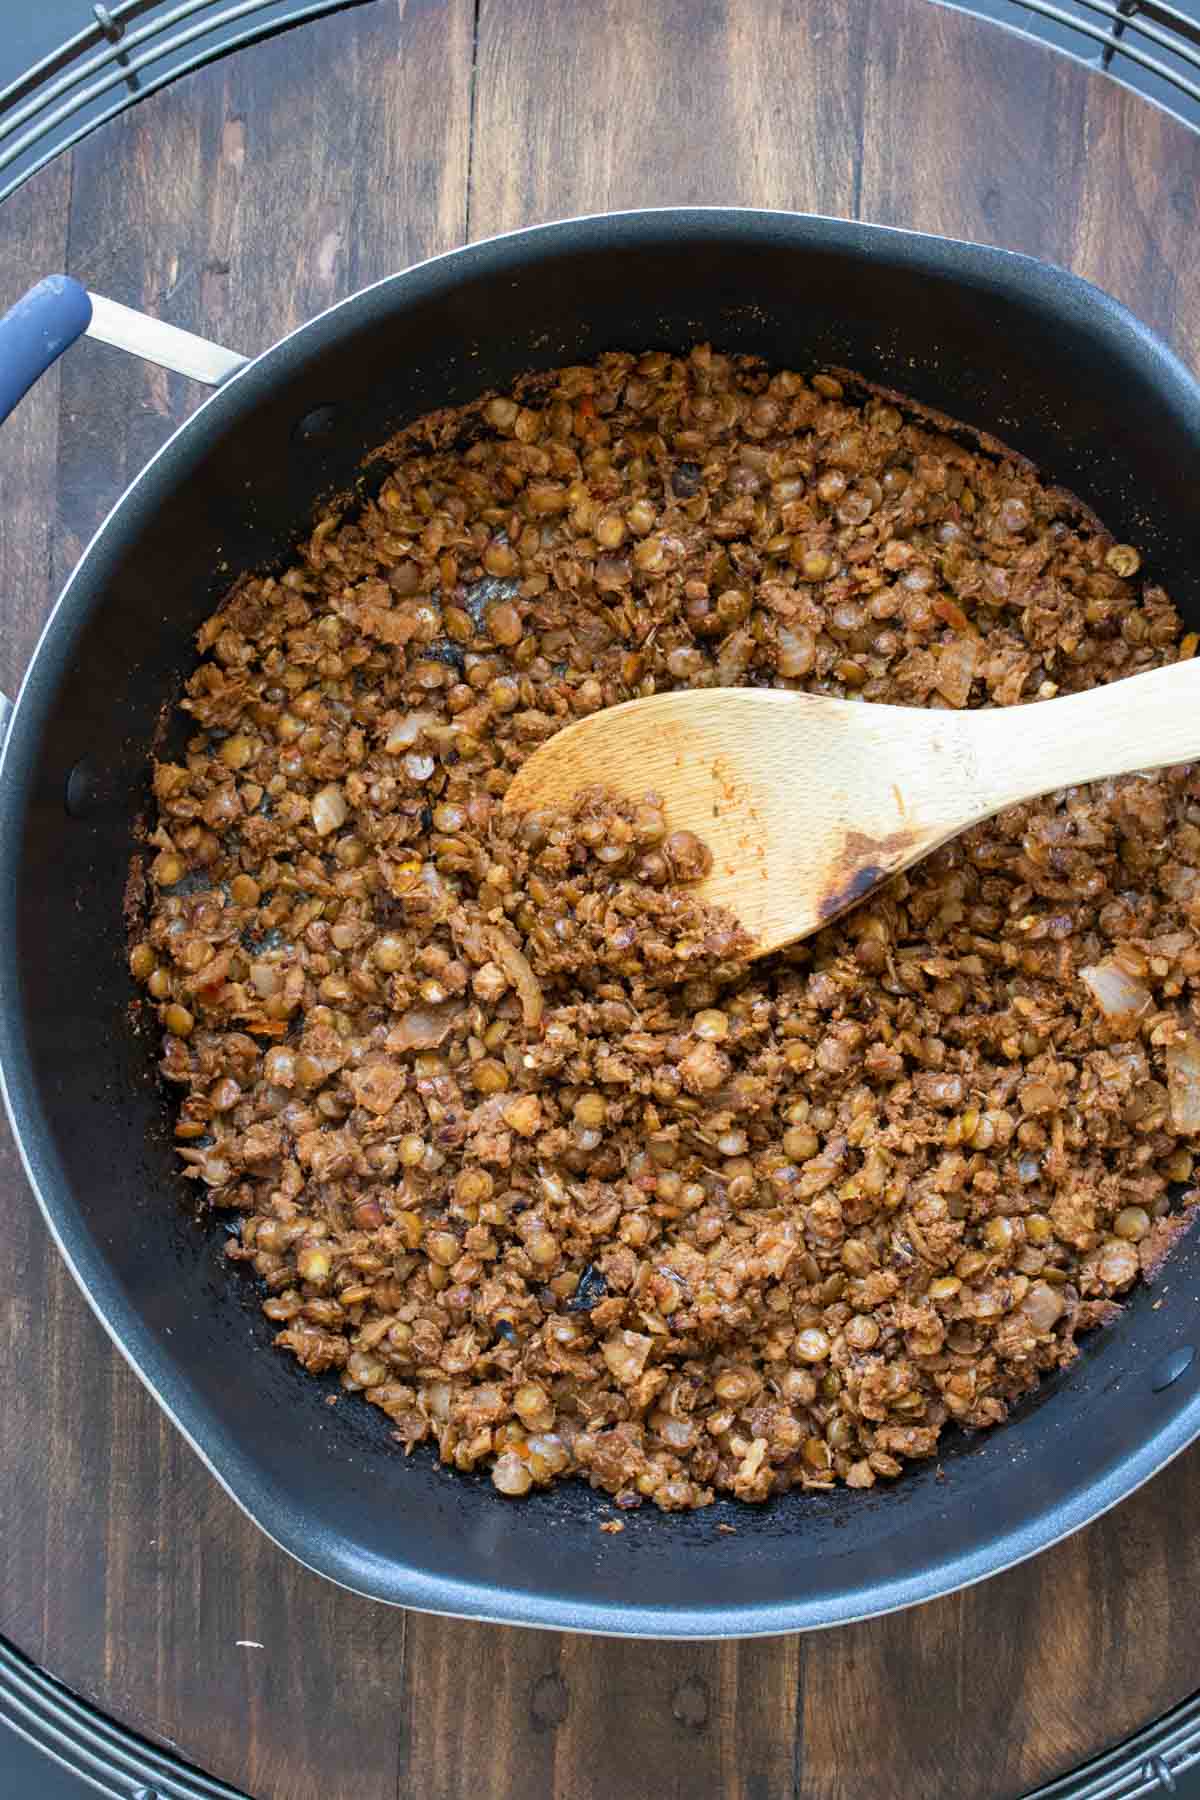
(808, 803)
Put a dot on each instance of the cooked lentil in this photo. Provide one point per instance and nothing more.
(518, 1138)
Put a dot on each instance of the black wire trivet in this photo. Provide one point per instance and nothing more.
(105, 1755)
(123, 51)
(128, 48)
(1150, 45)
(116, 1763)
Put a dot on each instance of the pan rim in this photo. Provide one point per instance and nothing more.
(399, 1582)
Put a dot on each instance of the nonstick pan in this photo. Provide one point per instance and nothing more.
(1051, 366)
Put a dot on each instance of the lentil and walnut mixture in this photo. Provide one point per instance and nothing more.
(519, 1138)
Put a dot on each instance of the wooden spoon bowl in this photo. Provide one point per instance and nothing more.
(808, 803)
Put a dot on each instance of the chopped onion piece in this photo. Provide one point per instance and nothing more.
(407, 730)
(680, 1434)
(1043, 1306)
(329, 809)
(424, 1027)
(1183, 1083)
(516, 967)
(957, 663)
(209, 1165)
(435, 1397)
(797, 651)
(1120, 996)
(266, 978)
(432, 882)
(1181, 882)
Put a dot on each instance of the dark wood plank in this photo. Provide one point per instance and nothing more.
(578, 1717)
(245, 199)
(1003, 1687)
(998, 1689)
(992, 146)
(33, 243)
(669, 104)
(507, 1683)
(1029, 151)
(994, 1690)
(1136, 233)
(237, 204)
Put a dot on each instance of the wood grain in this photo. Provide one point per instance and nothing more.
(667, 104)
(235, 204)
(581, 1716)
(33, 243)
(806, 804)
(123, 1566)
(243, 200)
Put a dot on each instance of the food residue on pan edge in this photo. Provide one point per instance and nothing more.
(518, 1139)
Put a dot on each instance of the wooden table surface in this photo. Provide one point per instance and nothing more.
(237, 203)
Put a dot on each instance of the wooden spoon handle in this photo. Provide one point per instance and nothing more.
(1145, 722)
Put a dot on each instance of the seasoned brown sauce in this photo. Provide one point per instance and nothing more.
(518, 1139)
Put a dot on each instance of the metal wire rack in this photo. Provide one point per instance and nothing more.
(1149, 45)
(104, 1755)
(122, 52)
(113, 1762)
(126, 49)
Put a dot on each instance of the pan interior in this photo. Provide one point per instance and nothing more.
(1028, 353)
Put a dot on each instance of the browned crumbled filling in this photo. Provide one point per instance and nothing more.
(519, 1139)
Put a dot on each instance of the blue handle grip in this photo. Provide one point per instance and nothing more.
(43, 323)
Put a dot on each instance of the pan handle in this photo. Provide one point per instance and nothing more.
(49, 318)
(58, 310)
(36, 332)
